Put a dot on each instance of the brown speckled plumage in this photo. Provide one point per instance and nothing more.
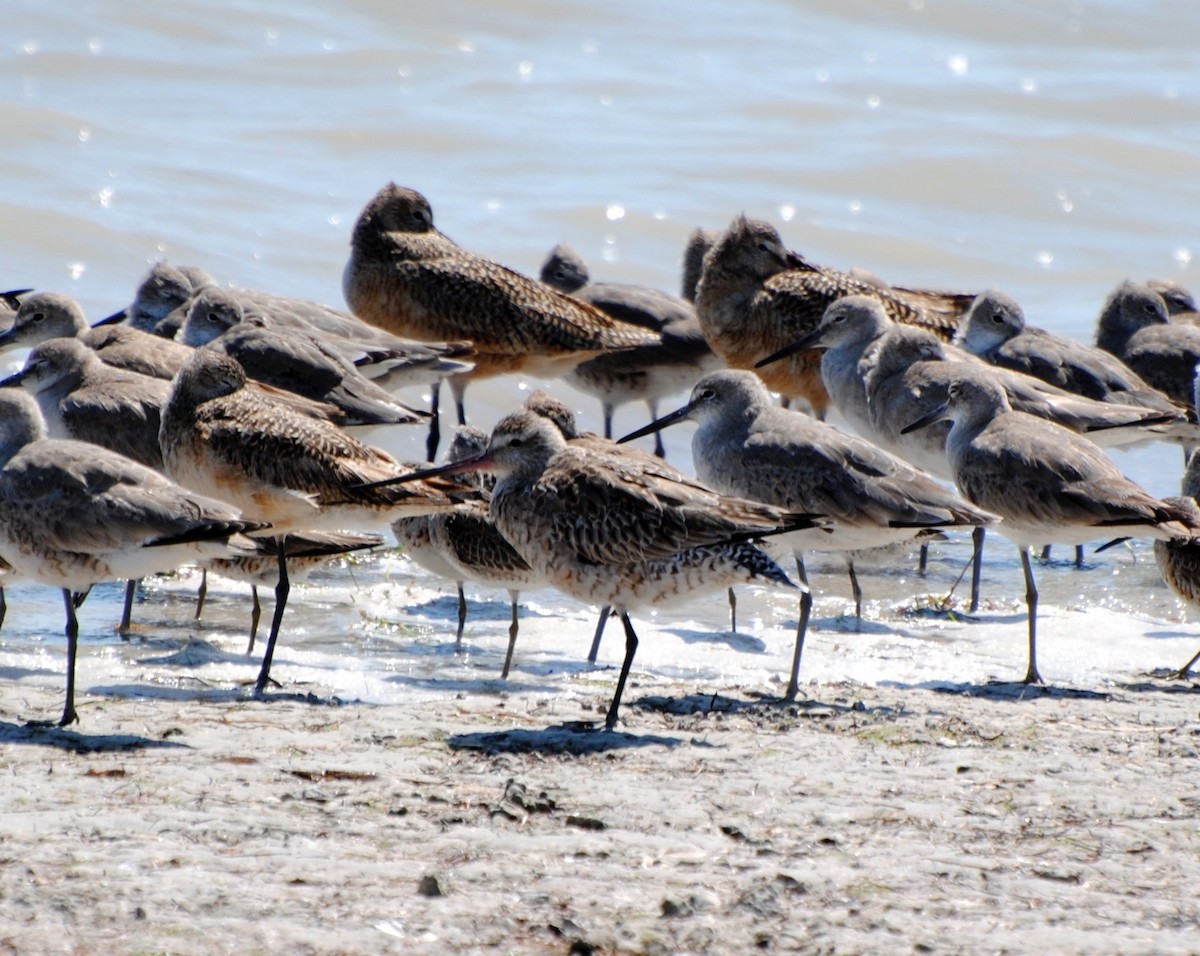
(755, 297)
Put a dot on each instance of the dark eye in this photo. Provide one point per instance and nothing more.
(214, 317)
(998, 318)
(764, 247)
(38, 316)
(516, 443)
(709, 393)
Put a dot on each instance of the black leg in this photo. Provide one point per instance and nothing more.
(1031, 601)
(732, 610)
(462, 617)
(201, 592)
(855, 589)
(68, 715)
(512, 635)
(255, 617)
(806, 602)
(3, 607)
(631, 643)
(281, 595)
(1045, 557)
(923, 559)
(977, 566)
(607, 411)
(605, 613)
(1079, 555)
(127, 609)
(435, 428)
(1182, 673)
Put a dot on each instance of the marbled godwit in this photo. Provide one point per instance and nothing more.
(756, 297)
(74, 514)
(405, 276)
(1045, 482)
(1135, 327)
(607, 532)
(306, 551)
(290, 359)
(463, 545)
(296, 472)
(748, 447)
(646, 373)
(699, 241)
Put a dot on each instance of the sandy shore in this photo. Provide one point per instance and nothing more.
(864, 819)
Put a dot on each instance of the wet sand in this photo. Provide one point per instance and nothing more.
(979, 818)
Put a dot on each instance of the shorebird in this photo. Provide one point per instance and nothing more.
(699, 241)
(290, 359)
(755, 297)
(994, 329)
(606, 531)
(279, 466)
(1178, 560)
(646, 373)
(1180, 303)
(748, 447)
(163, 290)
(1135, 327)
(1044, 481)
(405, 276)
(74, 514)
(306, 551)
(463, 545)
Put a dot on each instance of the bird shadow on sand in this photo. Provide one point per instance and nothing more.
(81, 743)
(1015, 691)
(573, 739)
(755, 705)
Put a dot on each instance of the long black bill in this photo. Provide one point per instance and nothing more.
(480, 462)
(657, 425)
(937, 415)
(111, 319)
(810, 341)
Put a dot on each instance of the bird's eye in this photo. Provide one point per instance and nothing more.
(998, 318)
(38, 316)
(708, 393)
(214, 318)
(764, 247)
(516, 443)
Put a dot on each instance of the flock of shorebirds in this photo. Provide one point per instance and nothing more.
(212, 425)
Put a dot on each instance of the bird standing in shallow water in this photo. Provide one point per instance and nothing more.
(293, 471)
(1044, 481)
(405, 276)
(747, 446)
(73, 514)
(606, 531)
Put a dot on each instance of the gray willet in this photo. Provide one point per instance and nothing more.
(74, 514)
(1045, 482)
(748, 447)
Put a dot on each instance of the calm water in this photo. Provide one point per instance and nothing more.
(1043, 147)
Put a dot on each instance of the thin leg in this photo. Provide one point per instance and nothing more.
(923, 559)
(201, 592)
(255, 617)
(79, 597)
(435, 428)
(806, 602)
(281, 596)
(1031, 600)
(631, 643)
(512, 635)
(68, 715)
(855, 589)
(3, 607)
(733, 610)
(1079, 555)
(607, 409)
(659, 448)
(458, 388)
(977, 566)
(462, 617)
(1182, 673)
(605, 613)
(1045, 553)
(123, 628)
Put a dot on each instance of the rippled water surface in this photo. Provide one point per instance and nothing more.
(1046, 148)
